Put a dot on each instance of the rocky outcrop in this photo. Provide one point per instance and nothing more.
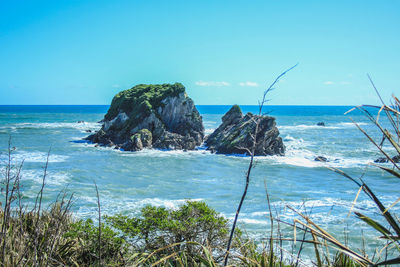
(234, 135)
(159, 116)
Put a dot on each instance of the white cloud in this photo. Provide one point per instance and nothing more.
(116, 86)
(329, 83)
(210, 83)
(248, 83)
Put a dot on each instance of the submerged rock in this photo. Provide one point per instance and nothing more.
(145, 116)
(396, 159)
(234, 135)
(381, 160)
(321, 158)
(321, 123)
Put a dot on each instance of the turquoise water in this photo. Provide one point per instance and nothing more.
(128, 181)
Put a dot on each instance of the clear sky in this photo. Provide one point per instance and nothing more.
(224, 52)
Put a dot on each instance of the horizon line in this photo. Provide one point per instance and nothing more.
(317, 105)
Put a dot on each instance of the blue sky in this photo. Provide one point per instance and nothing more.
(224, 52)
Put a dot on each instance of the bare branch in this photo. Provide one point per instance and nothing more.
(253, 148)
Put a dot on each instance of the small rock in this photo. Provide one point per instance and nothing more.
(81, 122)
(381, 160)
(321, 158)
(88, 131)
(396, 159)
(320, 123)
(212, 149)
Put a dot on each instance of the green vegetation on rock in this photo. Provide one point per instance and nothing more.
(142, 98)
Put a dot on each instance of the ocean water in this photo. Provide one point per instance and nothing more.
(128, 181)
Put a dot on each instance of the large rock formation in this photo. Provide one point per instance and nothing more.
(234, 135)
(160, 116)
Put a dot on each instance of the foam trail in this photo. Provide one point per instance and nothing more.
(54, 125)
(34, 156)
(303, 127)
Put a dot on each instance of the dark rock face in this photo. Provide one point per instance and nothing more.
(145, 116)
(234, 135)
(321, 158)
(321, 123)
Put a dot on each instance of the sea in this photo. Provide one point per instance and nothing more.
(128, 181)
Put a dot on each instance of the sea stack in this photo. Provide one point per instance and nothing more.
(234, 135)
(151, 115)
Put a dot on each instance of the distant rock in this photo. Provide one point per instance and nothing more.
(396, 159)
(321, 158)
(381, 160)
(80, 121)
(321, 123)
(234, 135)
(159, 116)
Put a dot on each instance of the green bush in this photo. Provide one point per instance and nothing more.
(158, 227)
(85, 235)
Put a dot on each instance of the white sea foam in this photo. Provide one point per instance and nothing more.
(165, 153)
(299, 153)
(252, 221)
(54, 125)
(305, 158)
(258, 213)
(303, 127)
(112, 206)
(52, 177)
(33, 156)
(172, 204)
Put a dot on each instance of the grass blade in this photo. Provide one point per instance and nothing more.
(377, 226)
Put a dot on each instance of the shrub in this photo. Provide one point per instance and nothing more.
(158, 227)
(84, 233)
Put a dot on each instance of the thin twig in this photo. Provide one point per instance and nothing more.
(99, 212)
(261, 105)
